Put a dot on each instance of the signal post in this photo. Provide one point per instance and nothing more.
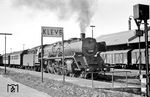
(141, 13)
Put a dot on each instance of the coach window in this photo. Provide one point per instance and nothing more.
(133, 55)
(16, 57)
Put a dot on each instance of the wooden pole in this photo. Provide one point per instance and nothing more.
(5, 46)
(41, 55)
(63, 57)
(147, 59)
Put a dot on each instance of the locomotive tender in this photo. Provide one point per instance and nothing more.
(30, 59)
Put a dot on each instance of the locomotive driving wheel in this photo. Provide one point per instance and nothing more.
(49, 67)
(54, 67)
(58, 70)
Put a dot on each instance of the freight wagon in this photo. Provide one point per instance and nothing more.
(118, 59)
(1, 60)
(125, 58)
(136, 58)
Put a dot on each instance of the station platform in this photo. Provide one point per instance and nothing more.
(10, 88)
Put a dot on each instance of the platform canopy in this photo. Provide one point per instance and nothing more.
(120, 38)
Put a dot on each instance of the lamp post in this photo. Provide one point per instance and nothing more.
(129, 22)
(23, 46)
(92, 26)
(10, 50)
(5, 46)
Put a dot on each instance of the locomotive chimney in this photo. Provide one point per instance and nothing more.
(82, 36)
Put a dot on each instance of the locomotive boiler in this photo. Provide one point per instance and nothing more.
(80, 57)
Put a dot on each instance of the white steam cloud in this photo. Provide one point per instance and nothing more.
(64, 9)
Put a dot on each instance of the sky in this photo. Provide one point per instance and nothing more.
(24, 18)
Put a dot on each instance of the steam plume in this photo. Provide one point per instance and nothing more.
(64, 9)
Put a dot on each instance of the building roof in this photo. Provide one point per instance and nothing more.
(120, 38)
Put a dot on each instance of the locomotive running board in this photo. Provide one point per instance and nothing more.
(75, 54)
(57, 57)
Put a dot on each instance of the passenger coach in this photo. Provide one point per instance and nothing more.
(16, 59)
(6, 59)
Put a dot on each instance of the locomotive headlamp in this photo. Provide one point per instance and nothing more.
(141, 12)
(87, 69)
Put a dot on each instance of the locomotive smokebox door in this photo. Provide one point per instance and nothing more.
(141, 12)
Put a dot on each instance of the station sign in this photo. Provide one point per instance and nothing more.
(52, 31)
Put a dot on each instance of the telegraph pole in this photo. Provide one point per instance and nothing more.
(5, 46)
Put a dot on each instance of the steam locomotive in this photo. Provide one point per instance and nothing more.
(81, 57)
